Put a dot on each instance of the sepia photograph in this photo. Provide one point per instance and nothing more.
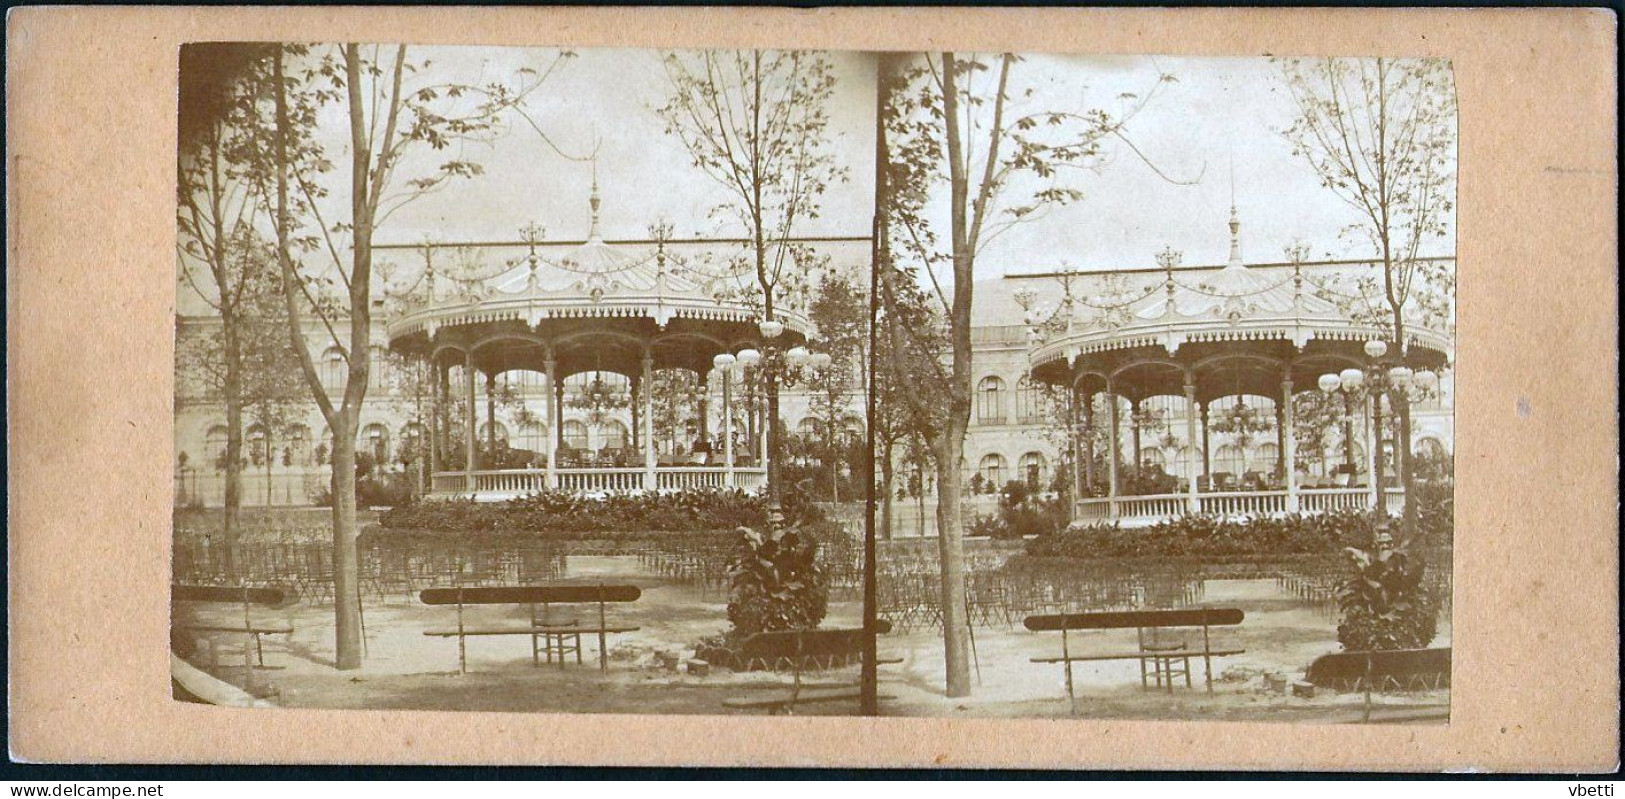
(814, 382)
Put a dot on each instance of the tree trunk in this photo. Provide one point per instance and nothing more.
(951, 550)
(231, 517)
(888, 482)
(346, 564)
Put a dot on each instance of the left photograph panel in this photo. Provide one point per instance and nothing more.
(481, 360)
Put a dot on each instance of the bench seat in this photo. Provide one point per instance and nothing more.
(1160, 653)
(240, 628)
(782, 701)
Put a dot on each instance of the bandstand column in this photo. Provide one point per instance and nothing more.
(1289, 447)
(1192, 472)
(1207, 470)
(1373, 452)
(1134, 422)
(649, 478)
(1372, 445)
(1111, 460)
(727, 424)
(1074, 436)
(1089, 440)
(491, 413)
(705, 411)
(441, 412)
(434, 419)
(558, 410)
(555, 421)
(471, 420)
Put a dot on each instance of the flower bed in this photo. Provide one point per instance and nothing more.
(1210, 538)
(563, 516)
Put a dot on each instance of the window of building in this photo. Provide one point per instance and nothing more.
(380, 368)
(992, 470)
(533, 436)
(375, 439)
(333, 369)
(1034, 469)
(297, 449)
(486, 430)
(256, 445)
(414, 441)
(1029, 401)
(575, 434)
(1268, 459)
(1228, 458)
(990, 401)
(615, 434)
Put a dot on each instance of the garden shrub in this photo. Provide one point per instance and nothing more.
(1384, 602)
(565, 515)
(1210, 537)
(1022, 512)
(776, 582)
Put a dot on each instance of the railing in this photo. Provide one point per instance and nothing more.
(1242, 503)
(1156, 505)
(596, 480)
(1323, 500)
(1160, 507)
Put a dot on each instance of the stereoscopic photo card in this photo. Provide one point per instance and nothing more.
(840, 388)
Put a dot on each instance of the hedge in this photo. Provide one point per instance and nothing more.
(1210, 537)
(563, 515)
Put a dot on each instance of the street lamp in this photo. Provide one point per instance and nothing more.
(1397, 381)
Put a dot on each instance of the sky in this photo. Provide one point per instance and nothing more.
(1215, 131)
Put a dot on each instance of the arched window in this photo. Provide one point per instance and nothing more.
(333, 369)
(486, 430)
(1268, 459)
(214, 448)
(297, 450)
(1154, 456)
(990, 401)
(1229, 458)
(1186, 455)
(810, 427)
(1431, 448)
(380, 367)
(575, 434)
(1034, 469)
(375, 442)
(256, 445)
(533, 436)
(615, 434)
(853, 425)
(1029, 401)
(992, 470)
(414, 441)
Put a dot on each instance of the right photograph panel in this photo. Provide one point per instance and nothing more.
(1163, 385)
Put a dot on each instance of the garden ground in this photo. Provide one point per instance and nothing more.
(406, 670)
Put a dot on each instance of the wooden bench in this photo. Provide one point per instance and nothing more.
(557, 637)
(825, 648)
(1163, 658)
(247, 597)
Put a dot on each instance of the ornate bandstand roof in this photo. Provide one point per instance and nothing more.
(594, 306)
(1236, 329)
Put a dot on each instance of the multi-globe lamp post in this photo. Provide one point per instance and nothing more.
(1396, 381)
(774, 364)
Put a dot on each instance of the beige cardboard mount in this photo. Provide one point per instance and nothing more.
(90, 297)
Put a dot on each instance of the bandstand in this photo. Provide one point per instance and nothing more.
(1237, 331)
(595, 309)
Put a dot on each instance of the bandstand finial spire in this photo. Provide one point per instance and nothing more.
(593, 200)
(1235, 221)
